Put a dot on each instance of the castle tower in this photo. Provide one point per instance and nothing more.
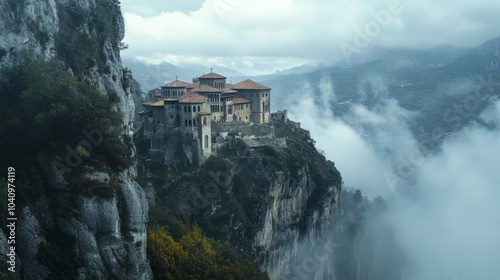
(260, 96)
(190, 105)
(205, 135)
(175, 89)
(214, 100)
(213, 79)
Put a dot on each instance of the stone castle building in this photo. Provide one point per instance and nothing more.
(177, 119)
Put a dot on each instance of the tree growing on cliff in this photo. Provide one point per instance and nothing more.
(196, 257)
(45, 113)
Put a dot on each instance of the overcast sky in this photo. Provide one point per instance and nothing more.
(257, 36)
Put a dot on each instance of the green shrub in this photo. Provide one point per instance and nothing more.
(45, 111)
(79, 50)
(91, 187)
(194, 256)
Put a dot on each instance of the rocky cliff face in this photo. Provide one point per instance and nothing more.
(282, 204)
(66, 234)
(289, 251)
(98, 238)
(39, 26)
(279, 203)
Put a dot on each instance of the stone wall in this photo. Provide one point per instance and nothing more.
(244, 128)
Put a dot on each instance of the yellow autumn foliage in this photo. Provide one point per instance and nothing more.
(193, 257)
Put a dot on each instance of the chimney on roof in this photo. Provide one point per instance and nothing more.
(211, 69)
(176, 78)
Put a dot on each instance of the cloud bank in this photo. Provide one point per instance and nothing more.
(449, 227)
(279, 34)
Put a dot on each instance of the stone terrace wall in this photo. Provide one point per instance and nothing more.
(244, 128)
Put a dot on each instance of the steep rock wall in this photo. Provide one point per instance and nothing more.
(35, 26)
(98, 238)
(278, 204)
(289, 251)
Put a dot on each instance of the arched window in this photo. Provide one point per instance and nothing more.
(194, 122)
(204, 120)
(190, 123)
(206, 141)
(194, 109)
(189, 109)
(199, 109)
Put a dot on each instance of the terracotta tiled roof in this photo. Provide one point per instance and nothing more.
(158, 104)
(228, 90)
(178, 84)
(239, 100)
(249, 84)
(212, 75)
(192, 98)
(205, 88)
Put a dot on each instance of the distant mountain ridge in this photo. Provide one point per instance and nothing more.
(484, 58)
(152, 76)
(424, 82)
